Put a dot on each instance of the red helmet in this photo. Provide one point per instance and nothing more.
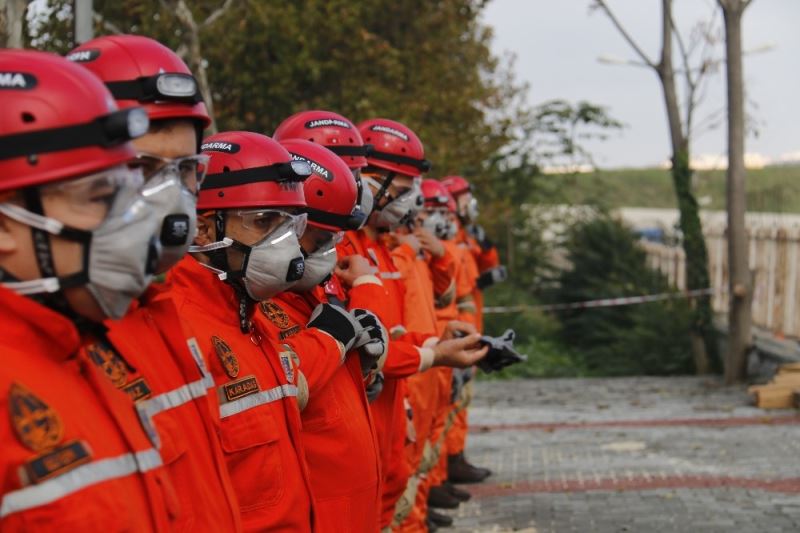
(331, 130)
(250, 170)
(437, 195)
(141, 71)
(58, 121)
(394, 147)
(330, 191)
(456, 185)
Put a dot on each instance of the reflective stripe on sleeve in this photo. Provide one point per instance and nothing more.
(78, 479)
(254, 400)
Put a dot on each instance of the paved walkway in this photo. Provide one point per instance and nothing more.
(630, 455)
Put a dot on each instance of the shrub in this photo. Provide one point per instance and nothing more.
(647, 338)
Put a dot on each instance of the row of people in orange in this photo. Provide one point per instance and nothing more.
(246, 385)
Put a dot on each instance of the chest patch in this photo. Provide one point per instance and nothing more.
(109, 361)
(275, 314)
(226, 356)
(36, 424)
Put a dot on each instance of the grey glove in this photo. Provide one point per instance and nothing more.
(372, 342)
(374, 389)
(336, 322)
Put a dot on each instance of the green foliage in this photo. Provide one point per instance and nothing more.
(537, 336)
(426, 63)
(639, 339)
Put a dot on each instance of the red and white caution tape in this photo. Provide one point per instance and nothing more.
(605, 302)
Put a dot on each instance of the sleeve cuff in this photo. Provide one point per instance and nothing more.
(426, 356)
(430, 342)
(339, 345)
(366, 279)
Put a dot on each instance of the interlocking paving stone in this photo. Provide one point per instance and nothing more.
(630, 454)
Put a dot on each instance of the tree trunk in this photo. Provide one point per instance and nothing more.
(739, 317)
(694, 244)
(194, 57)
(12, 17)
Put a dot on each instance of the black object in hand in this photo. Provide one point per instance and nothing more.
(501, 352)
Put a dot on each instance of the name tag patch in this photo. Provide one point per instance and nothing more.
(55, 462)
(293, 330)
(137, 389)
(239, 388)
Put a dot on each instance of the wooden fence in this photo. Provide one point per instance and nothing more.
(774, 258)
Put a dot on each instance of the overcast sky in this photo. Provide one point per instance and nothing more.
(557, 43)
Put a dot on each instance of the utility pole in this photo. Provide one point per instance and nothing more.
(740, 286)
(84, 23)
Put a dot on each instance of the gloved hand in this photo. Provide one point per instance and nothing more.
(374, 389)
(501, 352)
(373, 341)
(336, 322)
(490, 277)
(479, 234)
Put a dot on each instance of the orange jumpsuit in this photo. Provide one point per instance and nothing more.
(74, 456)
(403, 360)
(465, 284)
(478, 261)
(338, 435)
(149, 358)
(427, 279)
(257, 390)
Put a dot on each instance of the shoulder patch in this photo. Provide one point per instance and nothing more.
(288, 358)
(36, 424)
(226, 356)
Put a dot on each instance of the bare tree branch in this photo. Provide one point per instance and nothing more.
(107, 25)
(212, 18)
(636, 48)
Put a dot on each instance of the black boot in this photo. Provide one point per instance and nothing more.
(441, 520)
(459, 494)
(440, 498)
(460, 471)
(431, 525)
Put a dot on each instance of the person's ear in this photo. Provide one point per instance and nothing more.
(206, 229)
(8, 242)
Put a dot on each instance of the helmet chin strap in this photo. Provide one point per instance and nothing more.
(382, 189)
(49, 289)
(218, 256)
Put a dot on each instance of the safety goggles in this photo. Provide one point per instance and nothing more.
(166, 86)
(191, 169)
(268, 222)
(91, 199)
(324, 239)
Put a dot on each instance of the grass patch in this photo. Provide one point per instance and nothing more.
(773, 189)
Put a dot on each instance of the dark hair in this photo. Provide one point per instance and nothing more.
(167, 124)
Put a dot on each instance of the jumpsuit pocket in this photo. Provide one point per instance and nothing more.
(174, 448)
(250, 440)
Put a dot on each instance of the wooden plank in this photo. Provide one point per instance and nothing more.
(775, 398)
